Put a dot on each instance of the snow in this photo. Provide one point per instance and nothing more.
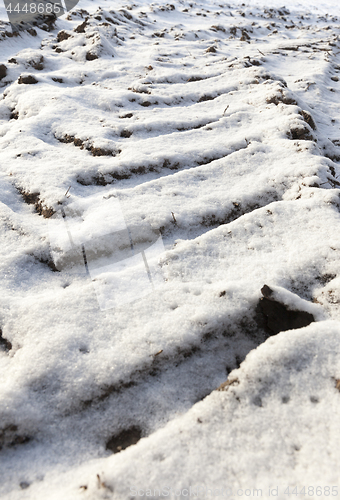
(270, 420)
(150, 186)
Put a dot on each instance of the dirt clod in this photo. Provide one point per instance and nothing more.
(126, 134)
(62, 35)
(308, 119)
(245, 37)
(205, 98)
(81, 27)
(101, 152)
(3, 71)
(10, 436)
(4, 343)
(301, 133)
(91, 57)
(33, 199)
(277, 316)
(195, 79)
(124, 439)
(37, 64)
(27, 80)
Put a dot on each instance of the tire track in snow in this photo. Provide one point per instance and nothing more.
(232, 191)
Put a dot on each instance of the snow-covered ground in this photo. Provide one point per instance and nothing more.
(161, 163)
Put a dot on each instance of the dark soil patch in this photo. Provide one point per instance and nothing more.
(218, 28)
(3, 71)
(81, 27)
(195, 79)
(290, 48)
(281, 97)
(91, 57)
(139, 91)
(206, 98)
(126, 134)
(46, 212)
(9, 437)
(33, 199)
(62, 35)
(238, 210)
(4, 343)
(308, 119)
(245, 37)
(27, 80)
(124, 439)
(101, 152)
(301, 133)
(29, 198)
(37, 64)
(46, 22)
(80, 143)
(277, 317)
(49, 263)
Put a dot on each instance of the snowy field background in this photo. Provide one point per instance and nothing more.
(184, 155)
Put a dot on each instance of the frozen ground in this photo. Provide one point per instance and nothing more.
(202, 139)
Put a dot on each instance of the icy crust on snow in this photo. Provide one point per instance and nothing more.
(213, 131)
